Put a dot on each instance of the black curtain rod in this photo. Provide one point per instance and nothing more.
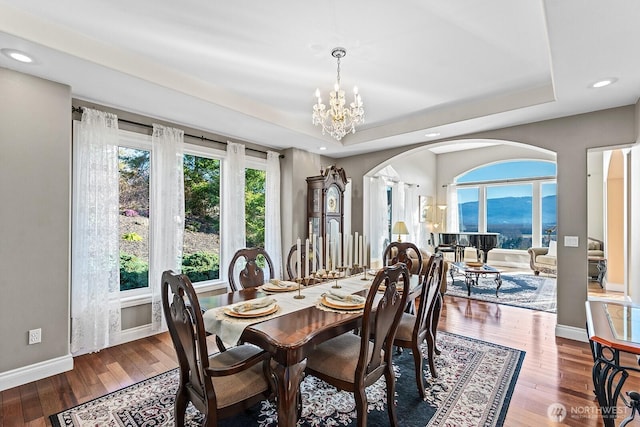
(201, 137)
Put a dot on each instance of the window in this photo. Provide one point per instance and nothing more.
(509, 213)
(468, 209)
(516, 199)
(255, 181)
(133, 167)
(201, 245)
(548, 190)
(202, 179)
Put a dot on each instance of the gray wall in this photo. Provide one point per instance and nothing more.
(35, 179)
(570, 138)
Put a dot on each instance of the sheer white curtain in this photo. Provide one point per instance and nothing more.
(272, 226)
(452, 224)
(397, 200)
(378, 224)
(95, 281)
(233, 215)
(411, 214)
(167, 212)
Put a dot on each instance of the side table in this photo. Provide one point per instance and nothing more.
(611, 329)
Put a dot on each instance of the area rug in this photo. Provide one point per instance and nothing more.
(520, 290)
(474, 386)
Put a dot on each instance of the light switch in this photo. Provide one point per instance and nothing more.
(571, 241)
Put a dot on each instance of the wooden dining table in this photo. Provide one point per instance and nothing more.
(290, 337)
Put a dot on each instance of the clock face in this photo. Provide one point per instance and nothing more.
(332, 199)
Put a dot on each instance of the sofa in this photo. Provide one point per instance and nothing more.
(545, 259)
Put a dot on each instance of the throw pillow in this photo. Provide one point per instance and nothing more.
(553, 248)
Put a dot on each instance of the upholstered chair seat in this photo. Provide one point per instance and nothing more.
(338, 357)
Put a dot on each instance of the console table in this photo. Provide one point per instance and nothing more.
(612, 328)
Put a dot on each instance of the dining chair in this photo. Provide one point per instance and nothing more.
(405, 252)
(292, 264)
(251, 275)
(352, 362)
(219, 385)
(414, 329)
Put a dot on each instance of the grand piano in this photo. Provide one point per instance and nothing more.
(456, 242)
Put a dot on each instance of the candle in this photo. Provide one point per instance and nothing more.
(360, 252)
(339, 247)
(298, 256)
(307, 257)
(364, 249)
(350, 251)
(320, 258)
(334, 254)
(310, 229)
(327, 253)
(314, 253)
(355, 251)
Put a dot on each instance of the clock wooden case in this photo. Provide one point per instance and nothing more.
(325, 202)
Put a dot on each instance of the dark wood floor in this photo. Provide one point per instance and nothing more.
(555, 370)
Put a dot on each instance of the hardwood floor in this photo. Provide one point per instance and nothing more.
(555, 370)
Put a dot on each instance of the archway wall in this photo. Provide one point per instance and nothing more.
(569, 138)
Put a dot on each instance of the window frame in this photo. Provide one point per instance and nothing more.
(129, 139)
(536, 197)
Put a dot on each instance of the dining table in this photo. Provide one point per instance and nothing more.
(293, 331)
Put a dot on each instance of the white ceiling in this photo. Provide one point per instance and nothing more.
(249, 69)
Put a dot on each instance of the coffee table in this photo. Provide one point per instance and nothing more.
(472, 273)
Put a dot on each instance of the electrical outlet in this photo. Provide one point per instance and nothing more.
(35, 336)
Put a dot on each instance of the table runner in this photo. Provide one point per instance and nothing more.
(229, 329)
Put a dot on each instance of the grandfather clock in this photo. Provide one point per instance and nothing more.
(325, 202)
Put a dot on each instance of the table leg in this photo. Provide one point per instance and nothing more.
(498, 283)
(288, 380)
(608, 379)
(468, 280)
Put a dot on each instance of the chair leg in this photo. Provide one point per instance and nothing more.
(431, 354)
(437, 309)
(391, 392)
(180, 406)
(361, 406)
(417, 359)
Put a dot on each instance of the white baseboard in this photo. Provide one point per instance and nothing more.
(37, 371)
(614, 287)
(572, 333)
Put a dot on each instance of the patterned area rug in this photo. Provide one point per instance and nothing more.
(474, 386)
(520, 290)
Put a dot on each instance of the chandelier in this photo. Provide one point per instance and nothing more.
(338, 120)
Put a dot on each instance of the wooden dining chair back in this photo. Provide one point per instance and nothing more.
(219, 385)
(292, 263)
(414, 329)
(353, 362)
(405, 252)
(252, 274)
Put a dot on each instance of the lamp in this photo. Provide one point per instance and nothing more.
(400, 228)
(338, 120)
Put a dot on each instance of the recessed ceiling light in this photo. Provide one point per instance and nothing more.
(322, 148)
(432, 134)
(16, 55)
(604, 82)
